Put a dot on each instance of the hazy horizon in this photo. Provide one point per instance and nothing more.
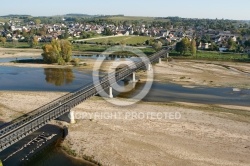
(160, 8)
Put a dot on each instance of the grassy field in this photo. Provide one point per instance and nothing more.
(101, 48)
(129, 40)
(88, 47)
(211, 55)
(19, 45)
(135, 18)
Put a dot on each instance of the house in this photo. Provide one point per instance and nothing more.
(204, 46)
(164, 33)
(126, 33)
(247, 50)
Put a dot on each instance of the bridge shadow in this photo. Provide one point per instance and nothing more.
(2, 123)
(64, 118)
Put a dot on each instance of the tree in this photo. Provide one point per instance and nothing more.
(33, 42)
(107, 32)
(193, 47)
(58, 51)
(157, 45)
(3, 40)
(231, 44)
(66, 34)
(15, 42)
(247, 43)
(66, 50)
(37, 21)
(6, 26)
(123, 43)
(183, 46)
(214, 47)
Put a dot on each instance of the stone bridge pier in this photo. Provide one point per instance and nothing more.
(72, 117)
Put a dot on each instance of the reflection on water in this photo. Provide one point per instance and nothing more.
(59, 76)
(40, 79)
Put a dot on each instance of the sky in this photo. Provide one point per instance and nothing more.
(227, 9)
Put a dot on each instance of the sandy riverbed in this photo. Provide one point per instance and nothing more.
(204, 135)
(204, 73)
(200, 137)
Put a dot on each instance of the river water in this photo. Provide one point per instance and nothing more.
(69, 79)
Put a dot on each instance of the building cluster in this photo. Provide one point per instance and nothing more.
(46, 32)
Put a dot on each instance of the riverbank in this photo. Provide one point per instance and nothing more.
(203, 136)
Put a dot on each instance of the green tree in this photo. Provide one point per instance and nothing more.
(247, 43)
(58, 51)
(214, 47)
(107, 32)
(193, 48)
(37, 21)
(231, 44)
(183, 46)
(6, 26)
(33, 42)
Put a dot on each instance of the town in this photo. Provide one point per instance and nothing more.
(211, 35)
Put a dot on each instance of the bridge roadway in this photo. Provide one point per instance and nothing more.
(17, 129)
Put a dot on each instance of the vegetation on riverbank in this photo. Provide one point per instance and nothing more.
(58, 51)
(212, 55)
(73, 153)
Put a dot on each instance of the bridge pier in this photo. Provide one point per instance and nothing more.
(133, 80)
(159, 60)
(149, 67)
(72, 117)
(111, 92)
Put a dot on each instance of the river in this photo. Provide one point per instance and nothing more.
(69, 79)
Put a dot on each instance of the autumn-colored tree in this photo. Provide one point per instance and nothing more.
(58, 51)
(157, 45)
(66, 50)
(3, 40)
